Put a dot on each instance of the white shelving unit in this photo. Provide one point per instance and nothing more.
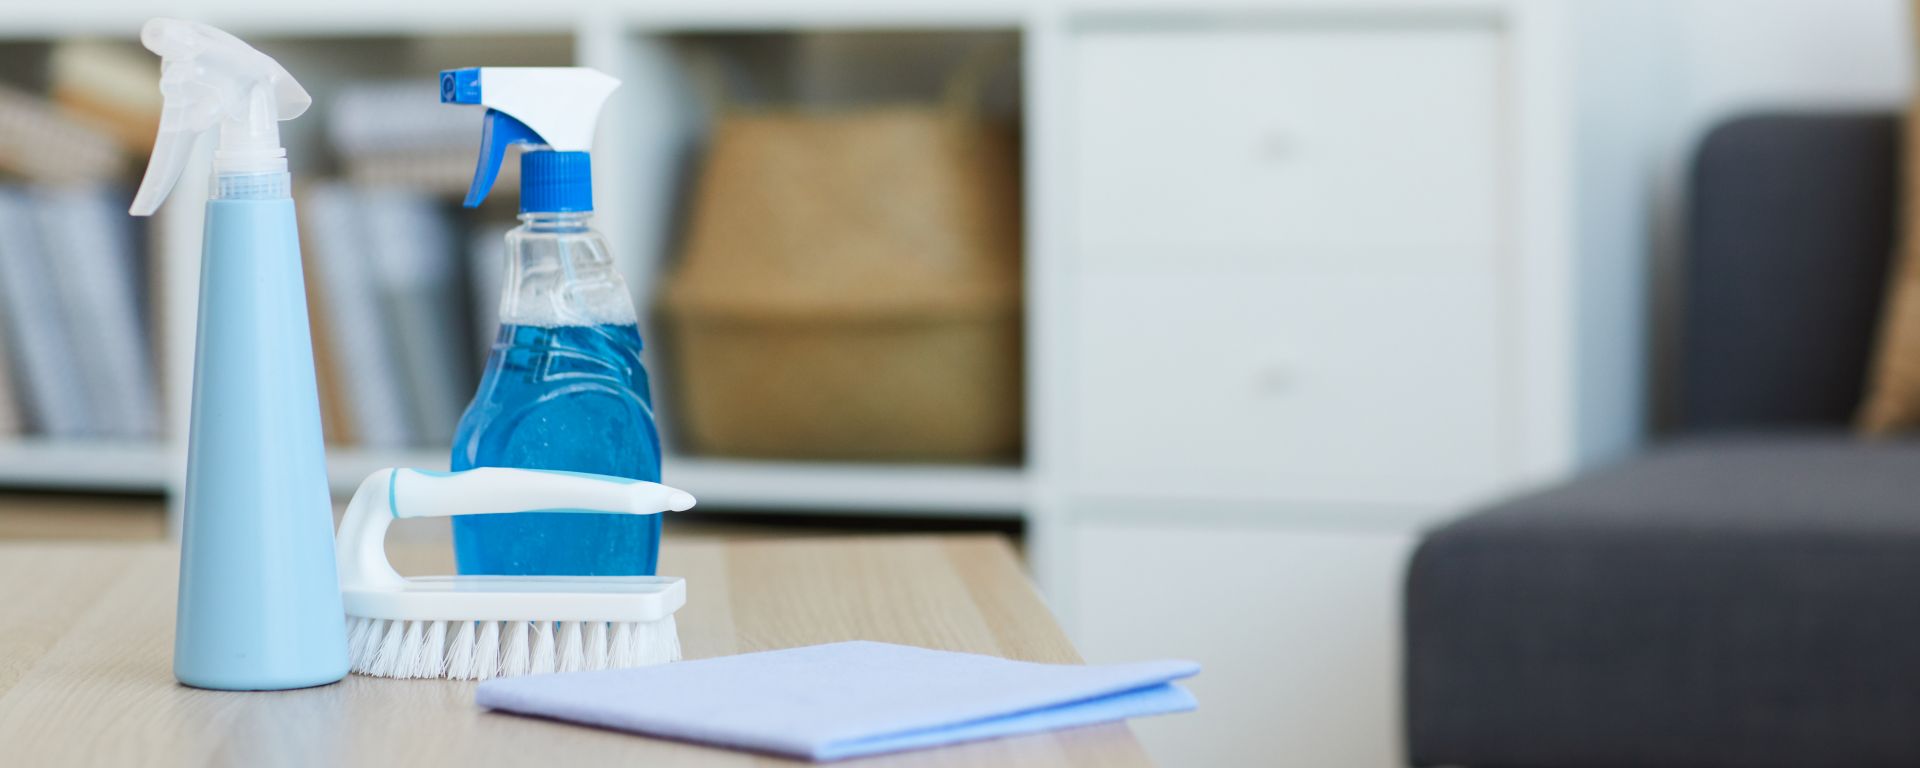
(648, 133)
(77, 465)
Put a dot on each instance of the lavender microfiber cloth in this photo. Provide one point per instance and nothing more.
(827, 702)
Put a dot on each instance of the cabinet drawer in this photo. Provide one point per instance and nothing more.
(1356, 385)
(1333, 141)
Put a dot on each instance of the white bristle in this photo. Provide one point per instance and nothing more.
(544, 660)
(376, 639)
(515, 658)
(460, 652)
(387, 658)
(486, 654)
(596, 645)
(411, 646)
(667, 634)
(656, 642)
(358, 630)
(433, 663)
(573, 658)
(620, 651)
(364, 651)
(475, 650)
(356, 638)
(637, 646)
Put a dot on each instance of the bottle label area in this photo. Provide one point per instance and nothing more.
(571, 397)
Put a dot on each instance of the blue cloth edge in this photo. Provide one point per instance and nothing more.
(1156, 699)
(1143, 674)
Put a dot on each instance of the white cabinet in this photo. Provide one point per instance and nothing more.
(1285, 255)
(1297, 634)
(1309, 279)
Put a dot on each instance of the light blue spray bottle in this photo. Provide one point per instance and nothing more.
(260, 604)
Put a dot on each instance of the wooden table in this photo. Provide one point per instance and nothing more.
(86, 639)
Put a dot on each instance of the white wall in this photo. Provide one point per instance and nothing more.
(1743, 54)
(1731, 57)
(1621, 120)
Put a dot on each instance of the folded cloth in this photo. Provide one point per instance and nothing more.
(827, 702)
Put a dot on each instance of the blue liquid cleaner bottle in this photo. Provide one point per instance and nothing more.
(564, 387)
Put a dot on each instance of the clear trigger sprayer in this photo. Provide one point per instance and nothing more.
(209, 78)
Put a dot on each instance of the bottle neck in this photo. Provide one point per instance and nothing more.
(273, 185)
(560, 272)
(546, 221)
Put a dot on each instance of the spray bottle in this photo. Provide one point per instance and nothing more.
(564, 387)
(260, 605)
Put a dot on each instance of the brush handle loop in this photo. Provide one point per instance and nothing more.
(394, 493)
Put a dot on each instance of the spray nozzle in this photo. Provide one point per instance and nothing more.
(209, 78)
(554, 108)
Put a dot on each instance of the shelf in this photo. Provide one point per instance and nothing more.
(905, 490)
(41, 463)
(348, 467)
(371, 17)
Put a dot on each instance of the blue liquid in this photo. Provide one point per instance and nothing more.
(568, 397)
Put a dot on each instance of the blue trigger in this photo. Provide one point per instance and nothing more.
(500, 131)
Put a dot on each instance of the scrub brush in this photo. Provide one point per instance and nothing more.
(477, 627)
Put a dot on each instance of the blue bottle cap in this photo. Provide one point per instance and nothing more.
(556, 182)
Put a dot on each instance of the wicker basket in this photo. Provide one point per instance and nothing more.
(850, 288)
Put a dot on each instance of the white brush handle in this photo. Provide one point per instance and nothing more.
(498, 490)
(412, 493)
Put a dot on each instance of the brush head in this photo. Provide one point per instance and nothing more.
(633, 599)
(478, 650)
(477, 627)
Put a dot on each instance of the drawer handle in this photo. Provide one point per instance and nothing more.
(1276, 147)
(1275, 381)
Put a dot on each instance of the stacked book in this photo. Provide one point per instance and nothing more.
(399, 134)
(76, 344)
(77, 359)
(404, 286)
(391, 294)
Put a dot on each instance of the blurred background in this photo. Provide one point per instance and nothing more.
(1217, 309)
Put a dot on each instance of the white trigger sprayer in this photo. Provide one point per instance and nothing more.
(553, 109)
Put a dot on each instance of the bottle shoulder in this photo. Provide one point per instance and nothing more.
(562, 277)
(535, 358)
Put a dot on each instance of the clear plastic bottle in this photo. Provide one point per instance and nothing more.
(564, 388)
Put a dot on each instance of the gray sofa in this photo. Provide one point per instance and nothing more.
(1747, 593)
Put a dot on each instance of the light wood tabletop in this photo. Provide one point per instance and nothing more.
(86, 639)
